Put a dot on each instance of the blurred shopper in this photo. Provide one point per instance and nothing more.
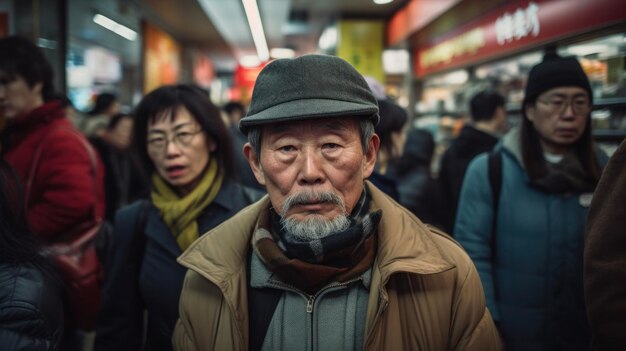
(182, 139)
(411, 171)
(104, 108)
(31, 304)
(326, 261)
(60, 196)
(605, 257)
(63, 177)
(125, 180)
(392, 136)
(235, 111)
(529, 247)
(488, 115)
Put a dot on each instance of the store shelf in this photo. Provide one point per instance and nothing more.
(612, 135)
(610, 102)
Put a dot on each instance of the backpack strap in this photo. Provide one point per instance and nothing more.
(262, 303)
(495, 180)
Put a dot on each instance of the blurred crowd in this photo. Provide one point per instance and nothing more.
(142, 185)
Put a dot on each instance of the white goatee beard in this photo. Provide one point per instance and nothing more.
(314, 226)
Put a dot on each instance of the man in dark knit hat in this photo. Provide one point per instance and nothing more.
(525, 233)
(326, 261)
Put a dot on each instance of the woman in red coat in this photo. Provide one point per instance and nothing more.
(62, 191)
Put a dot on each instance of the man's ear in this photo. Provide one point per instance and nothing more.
(370, 155)
(253, 160)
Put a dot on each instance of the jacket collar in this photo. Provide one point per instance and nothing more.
(404, 244)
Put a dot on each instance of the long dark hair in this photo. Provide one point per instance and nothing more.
(18, 245)
(170, 98)
(532, 152)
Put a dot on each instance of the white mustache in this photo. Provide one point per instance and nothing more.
(312, 196)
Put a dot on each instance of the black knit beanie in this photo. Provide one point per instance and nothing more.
(555, 71)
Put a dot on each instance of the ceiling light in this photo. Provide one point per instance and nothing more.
(282, 53)
(382, 2)
(256, 28)
(396, 61)
(115, 27)
(249, 61)
(328, 39)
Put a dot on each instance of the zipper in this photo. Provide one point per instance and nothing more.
(309, 304)
(311, 298)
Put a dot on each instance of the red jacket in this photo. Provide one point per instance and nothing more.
(62, 195)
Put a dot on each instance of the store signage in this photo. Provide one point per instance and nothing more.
(518, 25)
(361, 44)
(465, 44)
(4, 24)
(521, 23)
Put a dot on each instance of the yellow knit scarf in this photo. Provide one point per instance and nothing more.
(180, 214)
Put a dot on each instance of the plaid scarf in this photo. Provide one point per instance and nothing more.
(311, 265)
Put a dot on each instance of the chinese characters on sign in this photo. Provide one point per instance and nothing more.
(510, 27)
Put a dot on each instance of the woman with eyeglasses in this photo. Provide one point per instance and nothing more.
(181, 138)
(526, 235)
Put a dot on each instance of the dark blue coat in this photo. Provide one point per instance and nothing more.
(144, 275)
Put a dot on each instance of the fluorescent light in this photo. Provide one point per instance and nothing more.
(115, 27)
(382, 2)
(328, 39)
(395, 61)
(282, 53)
(249, 61)
(256, 28)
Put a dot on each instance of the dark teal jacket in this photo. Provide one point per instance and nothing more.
(533, 286)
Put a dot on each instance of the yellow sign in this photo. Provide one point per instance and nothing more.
(361, 44)
(467, 43)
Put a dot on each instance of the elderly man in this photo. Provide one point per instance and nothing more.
(326, 261)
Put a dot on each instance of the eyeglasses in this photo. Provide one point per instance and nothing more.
(580, 105)
(158, 143)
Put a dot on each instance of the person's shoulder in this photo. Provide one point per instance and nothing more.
(478, 164)
(24, 285)
(61, 134)
(126, 216)
(237, 192)
(451, 249)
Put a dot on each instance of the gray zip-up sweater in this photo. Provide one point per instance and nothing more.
(332, 319)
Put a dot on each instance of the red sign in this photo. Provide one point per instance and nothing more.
(244, 80)
(4, 24)
(413, 17)
(518, 25)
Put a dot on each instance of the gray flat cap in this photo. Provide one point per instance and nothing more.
(310, 86)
